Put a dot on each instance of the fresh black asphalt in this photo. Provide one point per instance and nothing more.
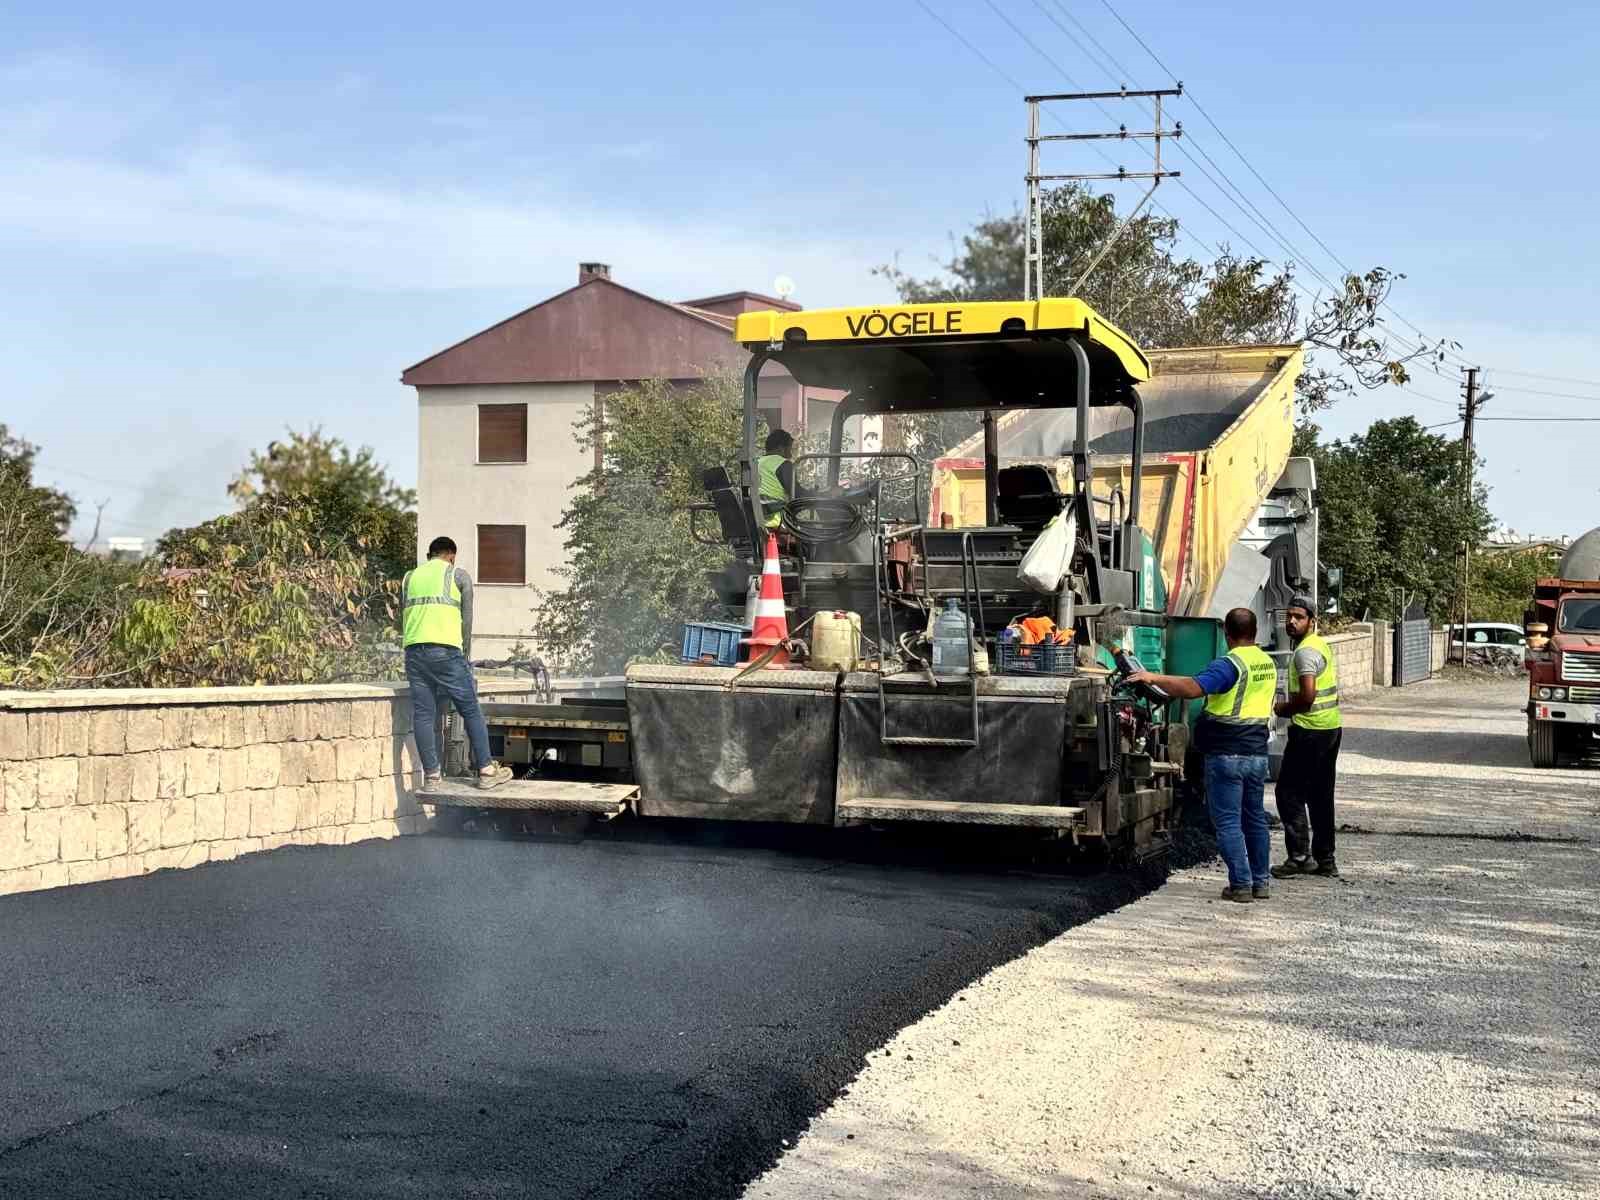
(647, 1013)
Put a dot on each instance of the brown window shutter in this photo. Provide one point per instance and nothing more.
(502, 554)
(502, 433)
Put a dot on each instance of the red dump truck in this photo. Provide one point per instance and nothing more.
(1563, 658)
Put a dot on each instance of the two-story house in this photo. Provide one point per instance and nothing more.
(496, 451)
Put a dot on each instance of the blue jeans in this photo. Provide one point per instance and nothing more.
(435, 672)
(1235, 784)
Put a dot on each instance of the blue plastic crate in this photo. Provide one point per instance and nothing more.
(711, 643)
(1041, 658)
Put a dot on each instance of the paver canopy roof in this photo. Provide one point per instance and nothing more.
(989, 354)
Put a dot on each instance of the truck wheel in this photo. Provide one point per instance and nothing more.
(1542, 743)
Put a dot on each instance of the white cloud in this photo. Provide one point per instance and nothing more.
(150, 191)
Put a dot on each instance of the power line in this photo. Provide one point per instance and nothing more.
(1557, 419)
(1177, 142)
(1112, 73)
(1539, 392)
(1229, 189)
(1082, 28)
(1034, 46)
(1229, 141)
(1257, 217)
(951, 30)
(1536, 375)
(1264, 226)
(1425, 396)
(1023, 91)
(1236, 196)
(1450, 403)
(1259, 177)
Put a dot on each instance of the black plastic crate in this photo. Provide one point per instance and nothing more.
(1041, 658)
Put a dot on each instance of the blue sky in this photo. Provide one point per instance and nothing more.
(216, 224)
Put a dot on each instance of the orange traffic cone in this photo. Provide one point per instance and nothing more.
(772, 622)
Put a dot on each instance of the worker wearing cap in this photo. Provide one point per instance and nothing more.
(776, 472)
(1311, 758)
(1232, 734)
(436, 619)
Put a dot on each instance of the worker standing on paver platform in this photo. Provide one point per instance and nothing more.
(436, 619)
(1232, 734)
(1310, 760)
(776, 472)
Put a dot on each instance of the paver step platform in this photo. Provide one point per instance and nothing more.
(541, 795)
(1032, 816)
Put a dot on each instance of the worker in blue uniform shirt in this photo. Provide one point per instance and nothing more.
(1239, 688)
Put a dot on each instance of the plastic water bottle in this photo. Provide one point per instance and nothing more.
(952, 647)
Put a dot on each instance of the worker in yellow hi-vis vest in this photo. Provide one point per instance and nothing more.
(436, 620)
(1311, 758)
(775, 471)
(1232, 731)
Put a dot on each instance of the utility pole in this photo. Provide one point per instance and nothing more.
(1469, 411)
(1033, 253)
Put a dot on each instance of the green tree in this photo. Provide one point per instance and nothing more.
(310, 461)
(1502, 583)
(299, 585)
(1163, 299)
(1393, 516)
(348, 496)
(266, 595)
(48, 513)
(54, 598)
(634, 574)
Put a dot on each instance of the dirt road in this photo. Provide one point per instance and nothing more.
(1428, 1026)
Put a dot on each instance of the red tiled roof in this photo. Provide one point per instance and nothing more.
(598, 330)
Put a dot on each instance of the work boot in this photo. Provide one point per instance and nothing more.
(493, 776)
(1327, 869)
(1292, 867)
(1261, 892)
(1237, 895)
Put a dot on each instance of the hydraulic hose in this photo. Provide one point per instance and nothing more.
(831, 519)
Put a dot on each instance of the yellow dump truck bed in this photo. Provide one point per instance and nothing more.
(1219, 421)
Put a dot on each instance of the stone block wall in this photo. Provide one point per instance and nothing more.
(1353, 656)
(106, 784)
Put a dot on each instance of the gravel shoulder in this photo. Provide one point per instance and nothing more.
(1429, 1026)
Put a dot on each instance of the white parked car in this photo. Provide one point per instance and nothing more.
(1490, 633)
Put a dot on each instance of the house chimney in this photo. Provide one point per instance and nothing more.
(593, 270)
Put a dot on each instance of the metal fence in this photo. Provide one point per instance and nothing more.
(1413, 651)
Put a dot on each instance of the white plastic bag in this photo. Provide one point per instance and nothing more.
(1046, 562)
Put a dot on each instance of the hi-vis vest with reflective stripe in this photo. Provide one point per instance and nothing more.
(433, 605)
(771, 486)
(1324, 712)
(1249, 700)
